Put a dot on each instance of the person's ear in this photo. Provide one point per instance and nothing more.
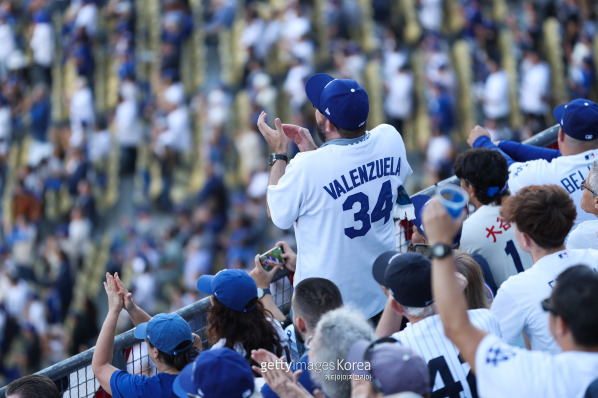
(561, 135)
(329, 126)
(394, 304)
(560, 326)
(300, 325)
(527, 241)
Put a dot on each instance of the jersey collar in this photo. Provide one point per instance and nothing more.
(347, 141)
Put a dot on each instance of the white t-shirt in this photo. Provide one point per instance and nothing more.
(340, 199)
(496, 95)
(517, 302)
(451, 375)
(485, 233)
(535, 88)
(126, 122)
(399, 100)
(506, 371)
(585, 236)
(42, 44)
(565, 171)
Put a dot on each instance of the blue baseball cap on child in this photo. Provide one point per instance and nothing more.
(166, 332)
(232, 287)
(342, 101)
(578, 119)
(220, 372)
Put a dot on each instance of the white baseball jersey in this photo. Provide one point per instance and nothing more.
(485, 233)
(565, 171)
(340, 199)
(450, 374)
(585, 236)
(517, 302)
(506, 371)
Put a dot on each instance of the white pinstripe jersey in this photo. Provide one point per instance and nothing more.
(451, 376)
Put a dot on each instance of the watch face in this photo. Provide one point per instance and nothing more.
(260, 292)
(440, 251)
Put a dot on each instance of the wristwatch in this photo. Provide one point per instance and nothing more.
(440, 250)
(261, 292)
(275, 156)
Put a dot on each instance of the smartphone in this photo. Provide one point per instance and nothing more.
(272, 258)
(424, 250)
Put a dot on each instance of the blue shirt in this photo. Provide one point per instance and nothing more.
(127, 385)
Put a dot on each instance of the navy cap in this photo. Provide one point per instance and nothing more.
(342, 101)
(408, 276)
(166, 332)
(232, 287)
(578, 119)
(220, 372)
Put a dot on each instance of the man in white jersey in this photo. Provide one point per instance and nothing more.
(339, 197)
(542, 216)
(484, 174)
(586, 234)
(408, 278)
(505, 371)
(578, 145)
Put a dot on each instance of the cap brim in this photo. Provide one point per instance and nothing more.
(140, 332)
(183, 383)
(419, 202)
(558, 113)
(315, 85)
(380, 265)
(204, 284)
(356, 355)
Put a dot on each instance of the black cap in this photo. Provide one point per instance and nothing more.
(407, 276)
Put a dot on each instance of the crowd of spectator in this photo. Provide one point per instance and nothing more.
(57, 187)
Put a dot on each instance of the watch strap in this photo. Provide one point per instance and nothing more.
(263, 292)
(276, 156)
(440, 250)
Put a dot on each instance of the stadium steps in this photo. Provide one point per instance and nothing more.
(417, 131)
(462, 63)
(320, 26)
(7, 197)
(413, 30)
(553, 50)
(366, 30)
(509, 63)
(373, 85)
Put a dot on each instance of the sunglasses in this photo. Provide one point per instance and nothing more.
(546, 306)
(585, 186)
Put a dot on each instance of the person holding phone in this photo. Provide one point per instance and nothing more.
(339, 197)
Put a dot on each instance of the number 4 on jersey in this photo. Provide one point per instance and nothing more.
(381, 210)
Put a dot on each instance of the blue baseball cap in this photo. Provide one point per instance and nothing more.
(342, 101)
(166, 332)
(578, 119)
(419, 202)
(220, 372)
(232, 287)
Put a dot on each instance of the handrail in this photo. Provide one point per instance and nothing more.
(126, 340)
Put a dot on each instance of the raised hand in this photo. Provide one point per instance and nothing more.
(115, 301)
(300, 136)
(289, 255)
(128, 302)
(277, 140)
(476, 133)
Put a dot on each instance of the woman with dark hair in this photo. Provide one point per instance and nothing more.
(237, 318)
(170, 341)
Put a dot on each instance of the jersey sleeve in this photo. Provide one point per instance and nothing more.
(485, 142)
(503, 371)
(285, 199)
(522, 152)
(126, 385)
(509, 315)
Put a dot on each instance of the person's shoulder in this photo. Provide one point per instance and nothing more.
(384, 130)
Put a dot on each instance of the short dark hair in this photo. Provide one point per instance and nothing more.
(33, 386)
(314, 297)
(574, 298)
(484, 168)
(181, 360)
(545, 212)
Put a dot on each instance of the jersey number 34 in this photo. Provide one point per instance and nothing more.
(381, 210)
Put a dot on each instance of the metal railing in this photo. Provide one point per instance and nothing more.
(76, 379)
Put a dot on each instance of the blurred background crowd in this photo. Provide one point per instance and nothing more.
(128, 137)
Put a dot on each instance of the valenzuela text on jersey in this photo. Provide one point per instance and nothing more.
(383, 167)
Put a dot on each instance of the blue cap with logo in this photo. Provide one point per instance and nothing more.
(220, 372)
(342, 101)
(232, 287)
(166, 332)
(578, 119)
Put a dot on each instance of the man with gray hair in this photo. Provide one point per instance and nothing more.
(335, 334)
(408, 279)
(585, 236)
